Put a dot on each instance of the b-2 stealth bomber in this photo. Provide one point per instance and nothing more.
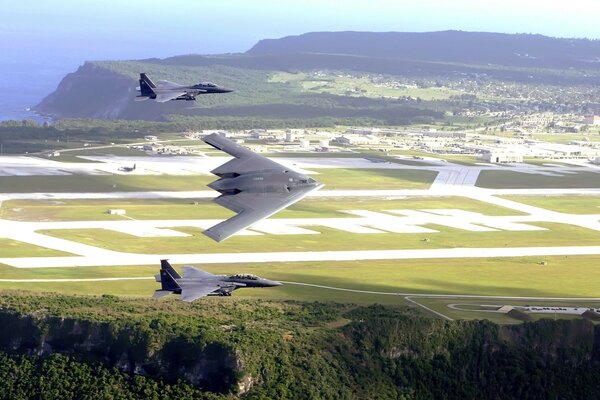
(196, 283)
(164, 91)
(252, 186)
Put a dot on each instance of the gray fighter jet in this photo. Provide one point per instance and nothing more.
(252, 186)
(165, 91)
(196, 283)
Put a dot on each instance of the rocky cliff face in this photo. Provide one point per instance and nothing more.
(90, 92)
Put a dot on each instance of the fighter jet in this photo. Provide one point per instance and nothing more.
(252, 186)
(196, 283)
(164, 91)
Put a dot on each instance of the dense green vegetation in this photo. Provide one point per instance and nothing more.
(114, 348)
(60, 376)
(257, 102)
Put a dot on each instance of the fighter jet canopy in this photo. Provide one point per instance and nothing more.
(245, 276)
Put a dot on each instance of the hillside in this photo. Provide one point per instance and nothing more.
(106, 89)
(475, 48)
(224, 348)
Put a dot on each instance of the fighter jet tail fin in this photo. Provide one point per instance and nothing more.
(164, 264)
(146, 86)
(168, 283)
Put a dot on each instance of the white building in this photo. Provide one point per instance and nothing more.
(116, 211)
(502, 158)
(351, 140)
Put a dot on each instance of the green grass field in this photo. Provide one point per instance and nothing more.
(334, 178)
(561, 277)
(348, 178)
(568, 204)
(516, 180)
(566, 137)
(332, 239)
(95, 210)
(102, 183)
(13, 248)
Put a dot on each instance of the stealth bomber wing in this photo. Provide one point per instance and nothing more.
(252, 186)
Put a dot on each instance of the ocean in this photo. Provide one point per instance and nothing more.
(22, 86)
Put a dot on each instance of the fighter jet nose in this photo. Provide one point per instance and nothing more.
(276, 283)
(227, 90)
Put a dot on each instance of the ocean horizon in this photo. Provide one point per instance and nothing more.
(24, 85)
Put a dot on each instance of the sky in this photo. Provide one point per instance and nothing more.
(68, 32)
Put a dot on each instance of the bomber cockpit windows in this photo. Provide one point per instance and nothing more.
(245, 276)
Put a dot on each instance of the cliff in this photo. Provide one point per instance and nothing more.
(290, 350)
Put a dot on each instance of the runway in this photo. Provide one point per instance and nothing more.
(452, 180)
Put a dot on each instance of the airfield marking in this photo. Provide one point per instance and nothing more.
(442, 296)
(407, 298)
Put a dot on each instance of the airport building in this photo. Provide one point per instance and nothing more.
(502, 158)
(348, 140)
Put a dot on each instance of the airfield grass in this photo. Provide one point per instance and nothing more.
(118, 150)
(544, 162)
(516, 180)
(328, 239)
(102, 183)
(350, 178)
(566, 138)
(334, 178)
(578, 204)
(521, 276)
(146, 209)
(14, 248)
(357, 153)
(441, 305)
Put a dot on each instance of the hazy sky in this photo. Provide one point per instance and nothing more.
(67, 32)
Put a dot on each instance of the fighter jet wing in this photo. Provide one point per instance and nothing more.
(195, 292)
(168, 84)
(166, 96)
(195, 273)
(245, 160)
(252, 207)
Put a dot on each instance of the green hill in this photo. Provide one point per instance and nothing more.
(106, 90)
(218, 348)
